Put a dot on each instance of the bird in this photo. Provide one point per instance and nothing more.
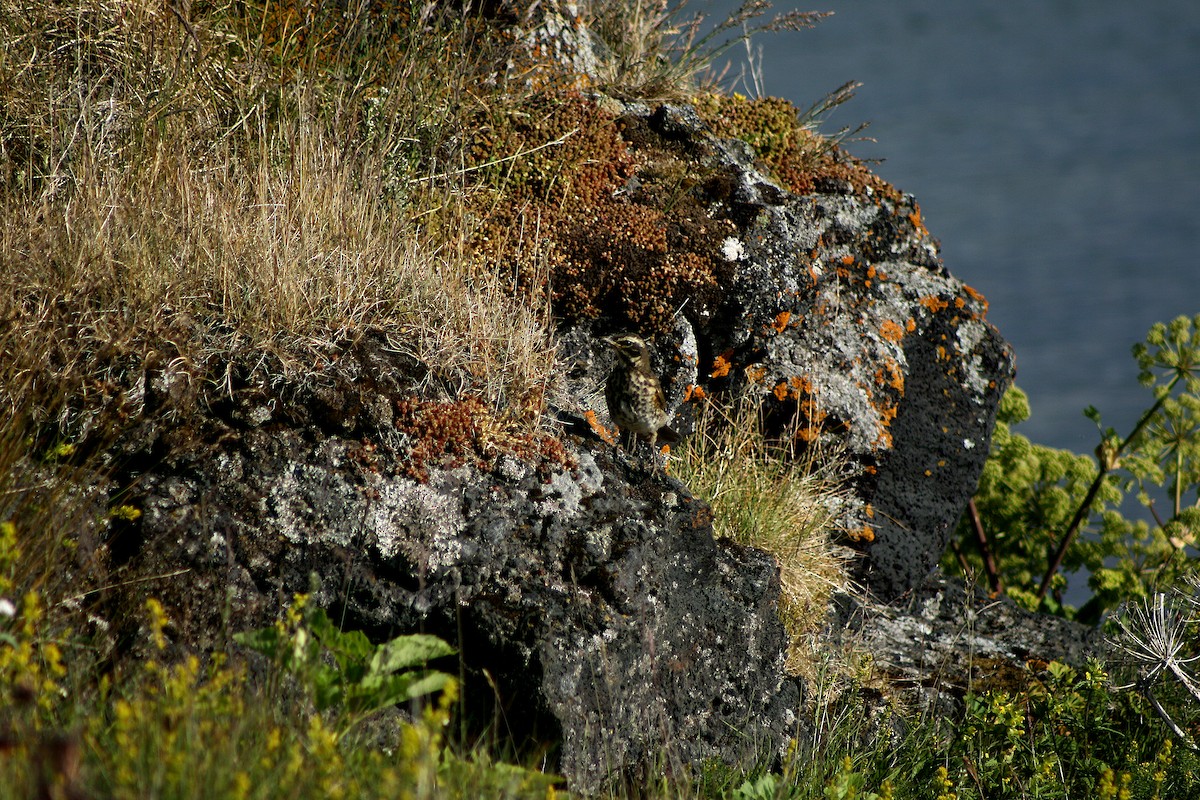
(635, 398)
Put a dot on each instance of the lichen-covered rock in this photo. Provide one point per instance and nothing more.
(843, 311)
(947, 638)
(591, 592)
(836, 308)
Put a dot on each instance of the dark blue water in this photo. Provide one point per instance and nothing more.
(1054, 147)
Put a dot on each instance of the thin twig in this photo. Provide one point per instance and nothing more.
(989, 560)
(130, 582)
(513, 157)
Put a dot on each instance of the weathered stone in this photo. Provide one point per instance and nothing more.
(946, 639)
(594, 597)
(841, 313)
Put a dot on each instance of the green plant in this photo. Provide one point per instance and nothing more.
(849, 784)
(202, 727)
(1067, 735)
(363, 677)
(1039, 510)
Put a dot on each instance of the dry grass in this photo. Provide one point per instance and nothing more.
(764, 493)
(251, 187)
(655, 48)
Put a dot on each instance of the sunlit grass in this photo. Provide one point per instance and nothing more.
(766, 494)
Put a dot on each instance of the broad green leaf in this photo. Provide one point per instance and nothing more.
(405, 652)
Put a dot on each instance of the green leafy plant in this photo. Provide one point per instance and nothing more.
(363, 677)
(1040, 511)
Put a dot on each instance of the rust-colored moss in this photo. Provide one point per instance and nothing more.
(567, 218)
(451, 434)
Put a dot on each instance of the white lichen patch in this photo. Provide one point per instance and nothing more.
(301, 499)
(404, 506)
(732, 249)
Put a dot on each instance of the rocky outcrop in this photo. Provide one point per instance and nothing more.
(586, 584)
(837, 311)
(602, 608)
(579, 579)
(946, 639)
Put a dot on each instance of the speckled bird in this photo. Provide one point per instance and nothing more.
(635, 398)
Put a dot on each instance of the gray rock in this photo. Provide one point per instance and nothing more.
(594, 596)
(946, 638)
(841, 314)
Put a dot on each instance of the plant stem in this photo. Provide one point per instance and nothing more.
(985, 549)
(1108, 462)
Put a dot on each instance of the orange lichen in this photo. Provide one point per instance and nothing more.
(934, 303)
(863, 535)
(722, 364)
(693, 392)
(800, 385)
(891, 375)
(808, 434)
(601, 431)
(891, 331)
(755, 373)
(887, 414)
(915, 219)
(781, 321)
(781, 391)
(910, 325)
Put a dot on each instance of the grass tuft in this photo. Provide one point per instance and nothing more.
(773, 495)
(236, 188)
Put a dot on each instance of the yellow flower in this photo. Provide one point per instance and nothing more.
(158, 621)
